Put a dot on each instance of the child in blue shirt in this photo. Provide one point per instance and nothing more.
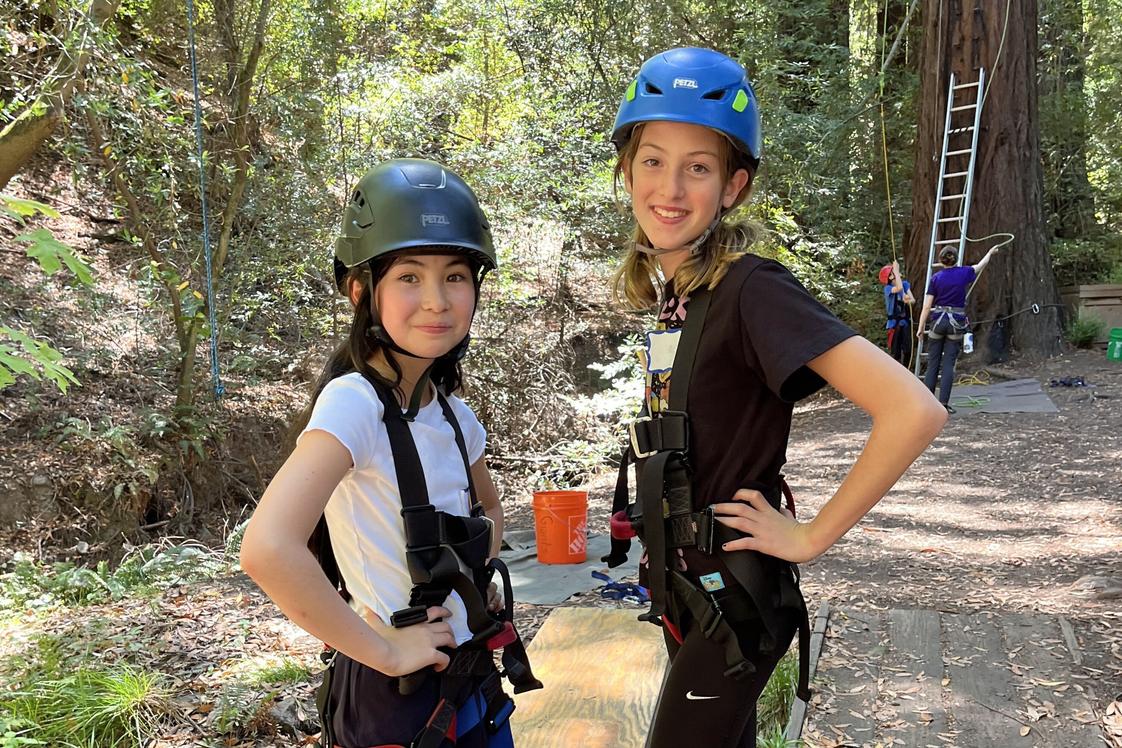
(897, 305)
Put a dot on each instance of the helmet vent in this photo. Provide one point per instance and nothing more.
(652, 89)
(716, 95)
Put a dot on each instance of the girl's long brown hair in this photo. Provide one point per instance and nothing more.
(636, 282)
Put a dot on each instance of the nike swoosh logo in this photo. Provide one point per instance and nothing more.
(691, 696)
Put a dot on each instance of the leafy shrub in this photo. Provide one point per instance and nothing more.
(143, 571)
(1084, 330)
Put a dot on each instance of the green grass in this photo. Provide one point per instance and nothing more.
(85, 707)
(285, 672)
(774, 705)
(775, 738)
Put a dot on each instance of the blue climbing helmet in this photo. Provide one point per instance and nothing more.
(698, 87)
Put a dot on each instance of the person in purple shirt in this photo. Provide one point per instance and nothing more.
(945, 303)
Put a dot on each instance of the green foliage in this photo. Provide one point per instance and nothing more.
(13, 733)
(774, 705)
(249, 687)
(1092, 259)
(33, 358)
(775, 737)
(1084, 330)
(51, 254)
(135, 467)
(144, 571)
(88, 706)
(20, 208)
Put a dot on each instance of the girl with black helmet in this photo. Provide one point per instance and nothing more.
(738, 341)
(945, 304)
(387, 487)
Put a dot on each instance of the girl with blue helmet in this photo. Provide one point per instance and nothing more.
(737, 342)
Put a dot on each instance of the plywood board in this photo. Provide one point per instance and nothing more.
(602, 671)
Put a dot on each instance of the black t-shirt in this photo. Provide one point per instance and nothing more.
(761, 330)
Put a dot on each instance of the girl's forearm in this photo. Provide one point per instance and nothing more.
(895, 441)
(295, 582)
(496, 514)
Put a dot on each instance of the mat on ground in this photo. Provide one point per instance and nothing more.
(1015, 396)
(549, 584)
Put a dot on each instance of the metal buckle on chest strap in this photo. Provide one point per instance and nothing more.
(667, 430)
(633, 430)
(706, 530)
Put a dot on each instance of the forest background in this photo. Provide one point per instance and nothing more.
(113, 437)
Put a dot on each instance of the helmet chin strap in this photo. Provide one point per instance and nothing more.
(693, 246)
(455, 354)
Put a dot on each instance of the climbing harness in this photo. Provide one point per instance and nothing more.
(445, 553)
(764, 590)
(215, 378)
(951, 314)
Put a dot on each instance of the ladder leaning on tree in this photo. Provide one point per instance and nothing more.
(956, 180)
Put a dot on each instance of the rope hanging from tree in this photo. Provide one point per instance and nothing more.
(216, 380)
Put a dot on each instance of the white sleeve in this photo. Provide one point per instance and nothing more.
(349, 410)
(475, 436)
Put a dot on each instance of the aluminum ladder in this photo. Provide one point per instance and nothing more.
(956, 182)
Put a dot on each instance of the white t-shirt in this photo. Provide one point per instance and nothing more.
(364, 512)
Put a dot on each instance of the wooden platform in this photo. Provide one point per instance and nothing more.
(602, 670)
(922, 678)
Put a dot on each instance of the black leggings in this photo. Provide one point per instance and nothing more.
(698, 705)
(941, 357)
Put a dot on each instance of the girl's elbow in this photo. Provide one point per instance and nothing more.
(255, 556)
(933, 417)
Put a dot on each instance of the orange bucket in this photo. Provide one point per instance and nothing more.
(560, 523)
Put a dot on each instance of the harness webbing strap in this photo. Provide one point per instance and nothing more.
(406, 461)
(451, 418)
(684, 357)
(649, 499)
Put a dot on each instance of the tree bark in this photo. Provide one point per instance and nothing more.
(34, 125)
(961, 36)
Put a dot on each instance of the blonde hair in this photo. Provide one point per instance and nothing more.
(636, 281)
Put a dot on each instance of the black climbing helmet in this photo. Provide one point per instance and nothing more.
(412, 204)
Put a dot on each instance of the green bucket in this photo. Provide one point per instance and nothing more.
(1114, 347)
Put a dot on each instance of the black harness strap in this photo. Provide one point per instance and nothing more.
(687, 350)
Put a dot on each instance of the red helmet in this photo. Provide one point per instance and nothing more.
(885, 272)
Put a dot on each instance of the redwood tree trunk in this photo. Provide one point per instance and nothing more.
(961, 36)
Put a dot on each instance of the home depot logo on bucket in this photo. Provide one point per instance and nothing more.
(578, 538)
(560, 524)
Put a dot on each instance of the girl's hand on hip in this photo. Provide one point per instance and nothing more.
(768, 530)
(415, 647)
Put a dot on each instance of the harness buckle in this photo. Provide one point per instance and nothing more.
(633, 433)
(410, 616)
(505, 636)
(667, 430)
(705, 532)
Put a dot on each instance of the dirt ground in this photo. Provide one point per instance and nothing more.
(1007, 513)
(1010, 513)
